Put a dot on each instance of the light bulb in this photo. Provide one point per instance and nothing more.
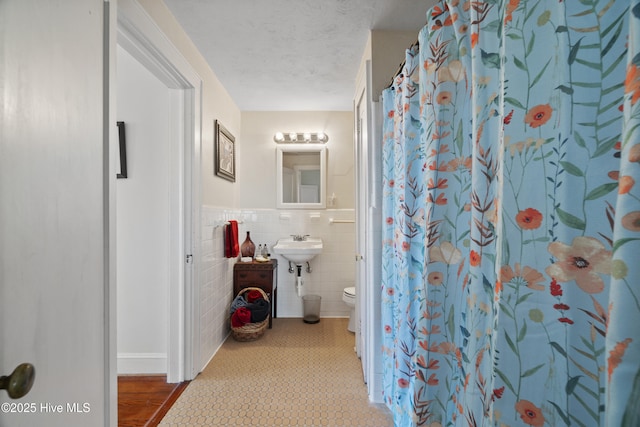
(279, 137)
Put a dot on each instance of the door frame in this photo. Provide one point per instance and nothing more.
(368, 231)
(138, 34)
(362, 282)
(363, 285)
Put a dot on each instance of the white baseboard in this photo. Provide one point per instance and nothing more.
(142, 363)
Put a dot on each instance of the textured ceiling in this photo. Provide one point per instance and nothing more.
(291, 55)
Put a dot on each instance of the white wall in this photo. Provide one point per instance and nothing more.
(142, 220)
(257, 154)
(216, 105)
(388, 51)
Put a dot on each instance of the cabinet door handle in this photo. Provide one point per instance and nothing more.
(20, 381)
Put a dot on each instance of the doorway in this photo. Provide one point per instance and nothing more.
(368, 119)
(144, 42)
(143, 218)
(362, 288)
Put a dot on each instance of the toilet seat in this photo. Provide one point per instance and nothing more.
(349, 298)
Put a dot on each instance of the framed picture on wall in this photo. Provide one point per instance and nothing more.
(225, 153)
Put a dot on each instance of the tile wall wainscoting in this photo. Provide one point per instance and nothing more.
(332, 270)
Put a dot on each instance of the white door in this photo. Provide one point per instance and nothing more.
(54, 280)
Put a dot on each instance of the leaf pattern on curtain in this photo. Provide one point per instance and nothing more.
(511, 205)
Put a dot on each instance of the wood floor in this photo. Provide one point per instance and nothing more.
(144, 400)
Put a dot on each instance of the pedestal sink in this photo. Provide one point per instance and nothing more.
(298, 249)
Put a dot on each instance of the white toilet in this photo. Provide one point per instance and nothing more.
(349, 297)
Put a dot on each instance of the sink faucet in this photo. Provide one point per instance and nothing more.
(299, 237)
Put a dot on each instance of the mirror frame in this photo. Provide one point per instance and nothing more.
(301, 148)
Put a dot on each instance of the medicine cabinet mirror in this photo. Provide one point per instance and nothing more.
(301, 176)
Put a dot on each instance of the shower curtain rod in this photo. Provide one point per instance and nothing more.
(416, 43)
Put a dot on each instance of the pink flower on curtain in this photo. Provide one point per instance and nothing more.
(459, 163)
(625, 184)
(453, 72)
(444, 98)
(631, 221)
(435, 278)
(582, 261)
(526, 276)
(446, 253)
(634, 154)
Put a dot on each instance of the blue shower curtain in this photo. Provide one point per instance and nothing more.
(511, 205)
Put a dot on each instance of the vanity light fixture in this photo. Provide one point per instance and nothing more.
(300, 137)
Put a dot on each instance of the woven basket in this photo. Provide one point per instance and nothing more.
(250, 331)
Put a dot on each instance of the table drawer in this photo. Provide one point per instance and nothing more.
(248, 276)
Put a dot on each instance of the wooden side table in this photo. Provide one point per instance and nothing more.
(263, 275)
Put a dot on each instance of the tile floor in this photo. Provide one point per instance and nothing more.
(296, 374)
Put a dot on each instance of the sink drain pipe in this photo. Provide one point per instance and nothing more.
(299, 282)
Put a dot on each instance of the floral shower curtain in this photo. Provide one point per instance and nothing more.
(511, 204)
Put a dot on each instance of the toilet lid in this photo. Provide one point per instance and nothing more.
(350, 291)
